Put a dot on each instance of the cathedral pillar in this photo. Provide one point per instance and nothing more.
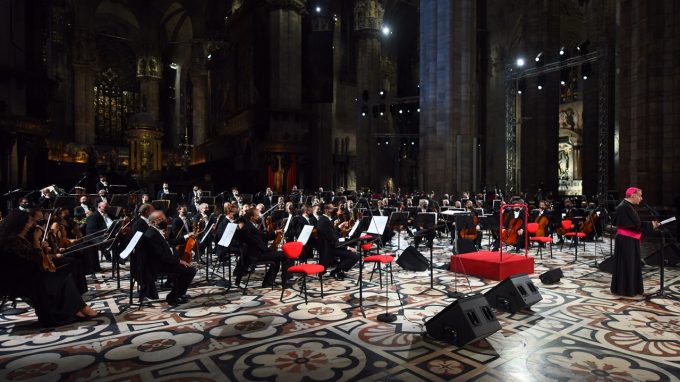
(144, 137)
(199, 81)
(448, 117)
(149, 72)
(368, 19)
(84, 80)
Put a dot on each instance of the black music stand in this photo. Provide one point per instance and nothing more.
(360, 241)
(662, 292)
(398, 219)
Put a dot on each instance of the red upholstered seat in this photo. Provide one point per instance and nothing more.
(292, 249)
(384, 259)
(308, 269)
(566, 224)
(532, 228)
(580, 235)
(542, 239)
(366, 247)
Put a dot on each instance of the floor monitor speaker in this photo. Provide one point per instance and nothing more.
(466, 320)
(514, 293)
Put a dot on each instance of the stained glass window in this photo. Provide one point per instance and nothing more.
(112, 106)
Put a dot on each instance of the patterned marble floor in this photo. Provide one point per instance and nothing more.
(579, 331)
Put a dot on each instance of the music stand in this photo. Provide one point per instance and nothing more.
(399, 219)
(161, 205)
(364, 239)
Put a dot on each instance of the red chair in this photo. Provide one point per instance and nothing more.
(378, 260)
(532, 228)
(576, 236)
(293, 250)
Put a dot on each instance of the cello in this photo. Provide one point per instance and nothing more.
(509, 234)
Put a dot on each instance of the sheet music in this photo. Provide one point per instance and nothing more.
(131, 245)
(354, 228)
(669, 220)
(305, 234)
(378, 224)
(227, 235)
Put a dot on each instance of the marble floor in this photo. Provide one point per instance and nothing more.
(577, 332)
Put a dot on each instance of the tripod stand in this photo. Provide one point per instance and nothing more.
(451, 294)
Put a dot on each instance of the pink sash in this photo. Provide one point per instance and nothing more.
(626, 232)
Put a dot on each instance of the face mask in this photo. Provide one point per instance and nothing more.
(162, 224)
(23, 205)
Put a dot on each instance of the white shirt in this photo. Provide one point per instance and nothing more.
(85, 207)
(107, 219)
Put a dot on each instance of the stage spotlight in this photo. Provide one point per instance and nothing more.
(364, 110)
(585, 70)
(564, 76)
(401, 111)
(318, 9)
(413, 143)
(387, 141)
(378, 140)
(540, 81)
(418, 110)
(564, 54)
(539, 59)
(582, 48)
(386, 30)
(209, 56)
(382, 109)
(520, 62)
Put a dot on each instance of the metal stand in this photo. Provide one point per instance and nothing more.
(662, 293)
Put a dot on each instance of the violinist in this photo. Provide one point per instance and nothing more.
(46, 198)
(164, 192)
(268, 199)
(230, 216)
(54, 295)
(103, 184)
(96, 222)
(289, 220)
(56, 243)
(161, 260)
(258, 250)
(194, 200)
(328, 241)
(103, 197)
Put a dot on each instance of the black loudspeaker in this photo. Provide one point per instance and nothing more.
(412, 260)
(607, 265)
(671, 255)
(465, 246)
(465, 320)
(514, 293)
(552, 276)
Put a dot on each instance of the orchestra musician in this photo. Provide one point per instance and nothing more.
(424, 206)
(97, 221)
(54, 295)
(258, 250)
(230, 216)
(102, 197)
(82, 211)
(268, 198)
(164, 192)
(328, 241)
(160, 259)
(194, 200)
(146, 199)
(102, 184)
(24, 205)
(45, 201)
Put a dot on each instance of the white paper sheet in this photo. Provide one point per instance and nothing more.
(228, 235)
(378, 224)
(131, 245)
(305, 234)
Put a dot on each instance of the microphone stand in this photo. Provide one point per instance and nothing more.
(78, 183)
(662, 292)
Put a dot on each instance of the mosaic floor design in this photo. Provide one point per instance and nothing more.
(579, 331)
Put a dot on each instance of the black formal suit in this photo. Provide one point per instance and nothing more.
(222, 253)
(268, 201)
(160, 259)
(299, 223)
(79, 211)
(102, 186)
(257, 250)
(99, 199)
(328, 241)
(94, 223)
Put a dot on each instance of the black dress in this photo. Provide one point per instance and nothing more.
(54, 294)
(627, 273)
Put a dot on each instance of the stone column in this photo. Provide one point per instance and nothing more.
(368, 19)
(448, 118)
(84, 74)
(149, 72)
(199, 81)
